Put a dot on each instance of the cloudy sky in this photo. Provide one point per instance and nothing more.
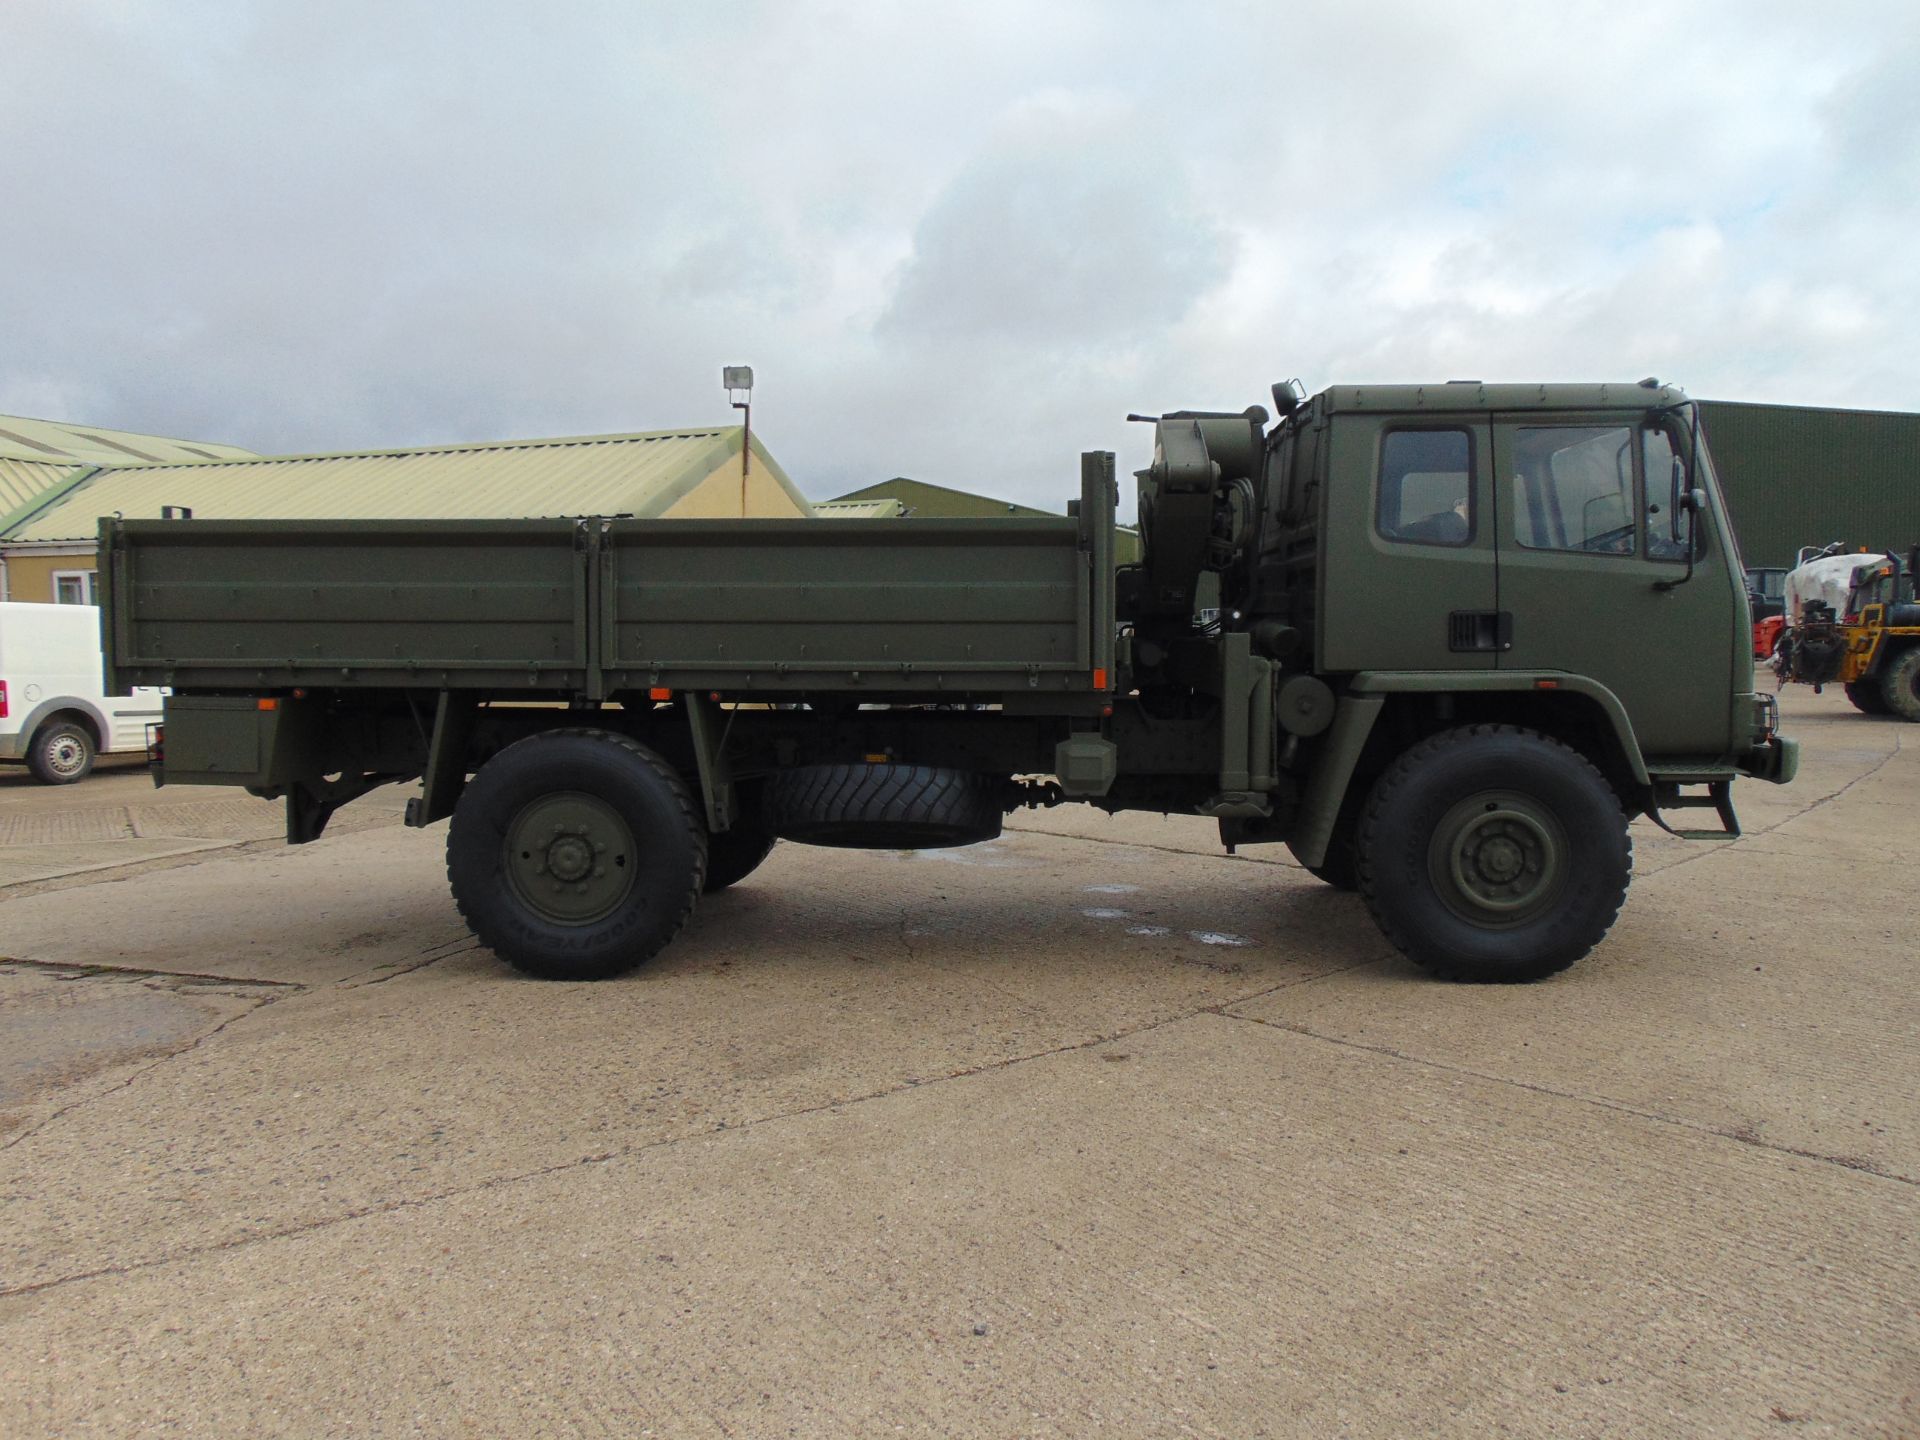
(957, 242)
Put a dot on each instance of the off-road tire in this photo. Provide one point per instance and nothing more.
(884, 807)
(736, 852)
(635, 817)
(1493, 855)
(62, 753)
(1866, 697)
(1900, 683)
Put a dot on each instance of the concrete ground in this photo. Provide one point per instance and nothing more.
(1092, 1129)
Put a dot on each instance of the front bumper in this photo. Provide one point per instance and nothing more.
(1776, 760)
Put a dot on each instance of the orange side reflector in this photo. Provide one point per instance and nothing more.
(269, 704)
(1546, 684)
(1100, 679)
(657, 693)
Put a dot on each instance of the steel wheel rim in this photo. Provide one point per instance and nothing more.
(66, 755)
(570, 857)
(1498, 858)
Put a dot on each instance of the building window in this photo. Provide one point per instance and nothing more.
(74, 587)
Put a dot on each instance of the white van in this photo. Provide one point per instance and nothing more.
(52, 712)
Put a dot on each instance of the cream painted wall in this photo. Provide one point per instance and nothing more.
(30, 577)
(718, 496)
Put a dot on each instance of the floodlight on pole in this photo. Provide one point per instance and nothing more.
(738, 381)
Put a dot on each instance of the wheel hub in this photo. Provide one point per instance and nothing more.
(570, 856)
(1498, 858)
(66, 754)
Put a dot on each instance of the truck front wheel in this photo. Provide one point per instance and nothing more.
(1492, 854)
(576, 854)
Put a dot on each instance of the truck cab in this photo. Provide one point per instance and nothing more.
(1570, 548)
(1544, 569)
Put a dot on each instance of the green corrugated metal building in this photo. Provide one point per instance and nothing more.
(920, 500)
(1796, 475)
(936, 502)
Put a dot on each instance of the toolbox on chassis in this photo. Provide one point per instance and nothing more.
(1465, 633)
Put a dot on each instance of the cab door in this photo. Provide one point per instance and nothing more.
(1592, 561)
(1410, 580)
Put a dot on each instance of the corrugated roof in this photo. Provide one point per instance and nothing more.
(925, 501)
(22, 480)
(58, 442)
(641, 474)
(859, 509)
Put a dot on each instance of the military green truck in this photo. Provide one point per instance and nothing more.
(1465, 633)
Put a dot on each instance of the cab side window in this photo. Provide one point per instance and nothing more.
(1573, 488)
(1426, 487)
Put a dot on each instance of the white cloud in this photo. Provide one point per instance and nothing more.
(955, 242)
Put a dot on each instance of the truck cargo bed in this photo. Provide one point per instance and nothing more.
(595, 606)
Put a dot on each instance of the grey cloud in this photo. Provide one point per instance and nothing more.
(959, 243)
(1059, 238)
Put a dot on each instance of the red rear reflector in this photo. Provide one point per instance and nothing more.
(1100, 679)
(1546, 684)
(269, 704)
(658, 693)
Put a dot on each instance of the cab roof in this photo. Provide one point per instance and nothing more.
(1457, 395)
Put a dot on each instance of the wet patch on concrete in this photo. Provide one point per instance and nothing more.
(64, 1031)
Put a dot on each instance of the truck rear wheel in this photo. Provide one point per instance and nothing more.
(1900, 683)
(576, 854)
(884, 807)
(1492, 854)
(62, 753)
